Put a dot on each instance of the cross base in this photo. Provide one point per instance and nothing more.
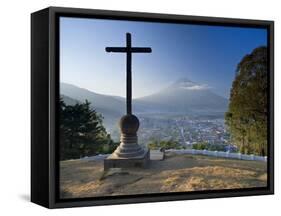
(114, 161)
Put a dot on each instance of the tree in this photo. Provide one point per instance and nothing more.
(169, 144)
(200, 146)
(246, 117)
(81, 131)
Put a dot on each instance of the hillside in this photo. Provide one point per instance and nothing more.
(82, 178)
(111, 107)
(68, 100)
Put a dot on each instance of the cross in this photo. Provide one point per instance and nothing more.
(129, 50)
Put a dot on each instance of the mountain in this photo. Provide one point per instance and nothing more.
(111, 107)
(183, 96)
(99, 101)
(68, 100)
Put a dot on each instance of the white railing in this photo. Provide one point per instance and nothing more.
(219, 154)
(197, 152)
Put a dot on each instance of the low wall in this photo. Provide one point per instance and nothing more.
(219, 154)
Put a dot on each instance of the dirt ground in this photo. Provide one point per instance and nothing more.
(81, 178)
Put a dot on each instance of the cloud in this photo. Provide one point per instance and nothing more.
(196, 87)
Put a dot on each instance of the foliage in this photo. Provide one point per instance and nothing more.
(200, 146)
(210, 147)
(170, 144)
(246, 117)
(81, 132)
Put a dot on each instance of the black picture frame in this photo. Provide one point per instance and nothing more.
(44, 109)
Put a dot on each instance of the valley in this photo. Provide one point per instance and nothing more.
(185, 112)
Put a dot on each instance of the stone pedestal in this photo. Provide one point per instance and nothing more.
(113, 161)
(128, 154)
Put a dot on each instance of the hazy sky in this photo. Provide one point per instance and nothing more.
(205, 54)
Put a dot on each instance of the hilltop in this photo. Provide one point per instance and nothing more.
(85, 178)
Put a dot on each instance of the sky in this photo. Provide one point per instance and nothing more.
(206, 55)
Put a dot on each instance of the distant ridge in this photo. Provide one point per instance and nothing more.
(111, 107)
(182, 97)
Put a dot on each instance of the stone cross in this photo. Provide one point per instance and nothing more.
(129, 50)
(128, 154)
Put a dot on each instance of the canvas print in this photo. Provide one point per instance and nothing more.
(150, 107)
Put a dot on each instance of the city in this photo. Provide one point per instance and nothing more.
(187, 131)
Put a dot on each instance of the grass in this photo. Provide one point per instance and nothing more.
(176, 173)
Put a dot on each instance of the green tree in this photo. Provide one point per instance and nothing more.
(200, 146)
(81, 132)
(246, 117)
(169, 144)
